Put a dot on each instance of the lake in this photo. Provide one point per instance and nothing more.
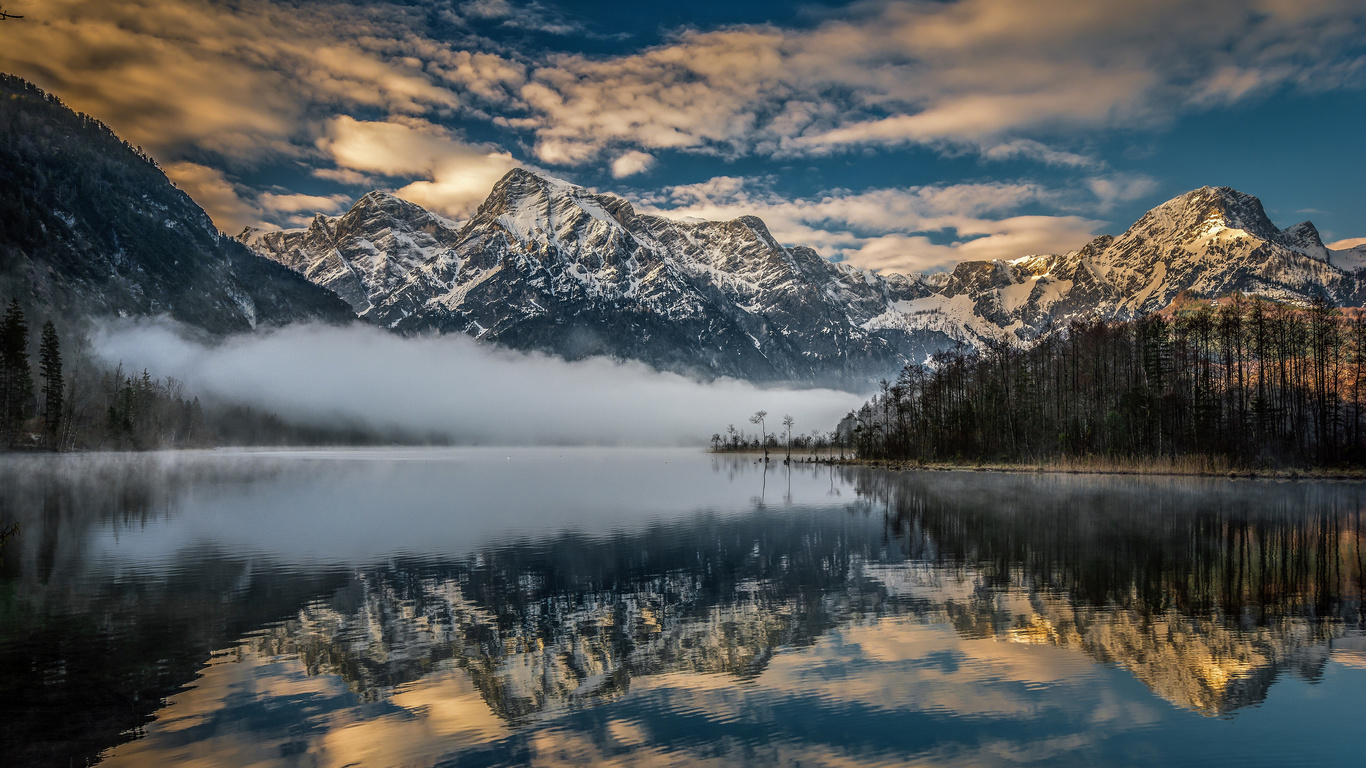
(479, 607)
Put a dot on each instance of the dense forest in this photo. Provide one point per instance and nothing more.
(1239, 382)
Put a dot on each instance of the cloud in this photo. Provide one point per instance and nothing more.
(232, 86)
(631, 163)
(986, 75)
(1116, 188)
(454, 177)
(233, 206)
(1029, 149)
(388, 149)
(532, 17)
(1350, 242)
(239, 80)
(215, 194)
(295, 203)
(457, 386)
(910, 229)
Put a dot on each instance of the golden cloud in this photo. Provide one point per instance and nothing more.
(455, 176)
(888, 230)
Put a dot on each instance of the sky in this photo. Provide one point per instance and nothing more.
(896, 136)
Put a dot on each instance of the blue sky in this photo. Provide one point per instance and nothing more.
(900, 136)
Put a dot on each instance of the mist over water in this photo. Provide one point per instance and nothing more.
(454, 386)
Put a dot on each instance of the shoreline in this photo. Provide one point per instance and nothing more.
(1137, 470)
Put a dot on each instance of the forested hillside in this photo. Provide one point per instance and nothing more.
(90, 226)
(1249, 382)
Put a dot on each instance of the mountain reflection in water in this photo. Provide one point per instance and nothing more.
(473, 607)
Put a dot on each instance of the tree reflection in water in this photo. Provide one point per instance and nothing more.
(1206, 591)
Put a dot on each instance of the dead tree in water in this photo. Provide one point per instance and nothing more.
(758, 418)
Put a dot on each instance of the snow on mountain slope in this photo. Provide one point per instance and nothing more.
(363, 254)
(1212, 241)
(550, 266)
(1348, 259)
(546, 265)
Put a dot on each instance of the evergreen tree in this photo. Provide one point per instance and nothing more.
(50, 363)
(16, 380)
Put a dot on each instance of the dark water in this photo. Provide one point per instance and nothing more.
(586, 607)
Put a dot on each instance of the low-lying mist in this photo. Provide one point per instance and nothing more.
(455, 387)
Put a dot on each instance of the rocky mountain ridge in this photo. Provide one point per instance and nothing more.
(550, 266)
(547, 265)
(92, 227)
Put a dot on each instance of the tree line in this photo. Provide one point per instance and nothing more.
(73, 403)
(1247, 381)
(68, 401)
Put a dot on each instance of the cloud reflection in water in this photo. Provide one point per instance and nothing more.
(959, 618)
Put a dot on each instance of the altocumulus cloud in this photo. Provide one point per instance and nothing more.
(456, 386)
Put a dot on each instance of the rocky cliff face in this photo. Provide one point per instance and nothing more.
(90, 226)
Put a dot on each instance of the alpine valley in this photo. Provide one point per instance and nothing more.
(92, 227)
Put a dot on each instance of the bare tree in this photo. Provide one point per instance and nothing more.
(758, 418)
(787, 426)
(6, 15)
(79, 403)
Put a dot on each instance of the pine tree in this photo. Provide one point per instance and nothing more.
(50, 363)
(16, 380)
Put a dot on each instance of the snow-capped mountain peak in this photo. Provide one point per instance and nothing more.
(1207, 212)
(1304, 237)
(546, 264)
(363, 253)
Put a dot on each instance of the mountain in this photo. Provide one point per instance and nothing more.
(550, 266)
(1209, 242)
(91, 226)
(363, 255)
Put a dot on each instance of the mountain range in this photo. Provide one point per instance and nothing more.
(547, 265)
(90, 226)
(550, 266)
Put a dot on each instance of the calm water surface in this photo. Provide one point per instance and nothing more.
(475, 607)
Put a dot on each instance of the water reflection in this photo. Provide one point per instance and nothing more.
(663, 607)
(1204, 589)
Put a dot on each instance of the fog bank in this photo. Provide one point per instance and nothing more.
(455, 386)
